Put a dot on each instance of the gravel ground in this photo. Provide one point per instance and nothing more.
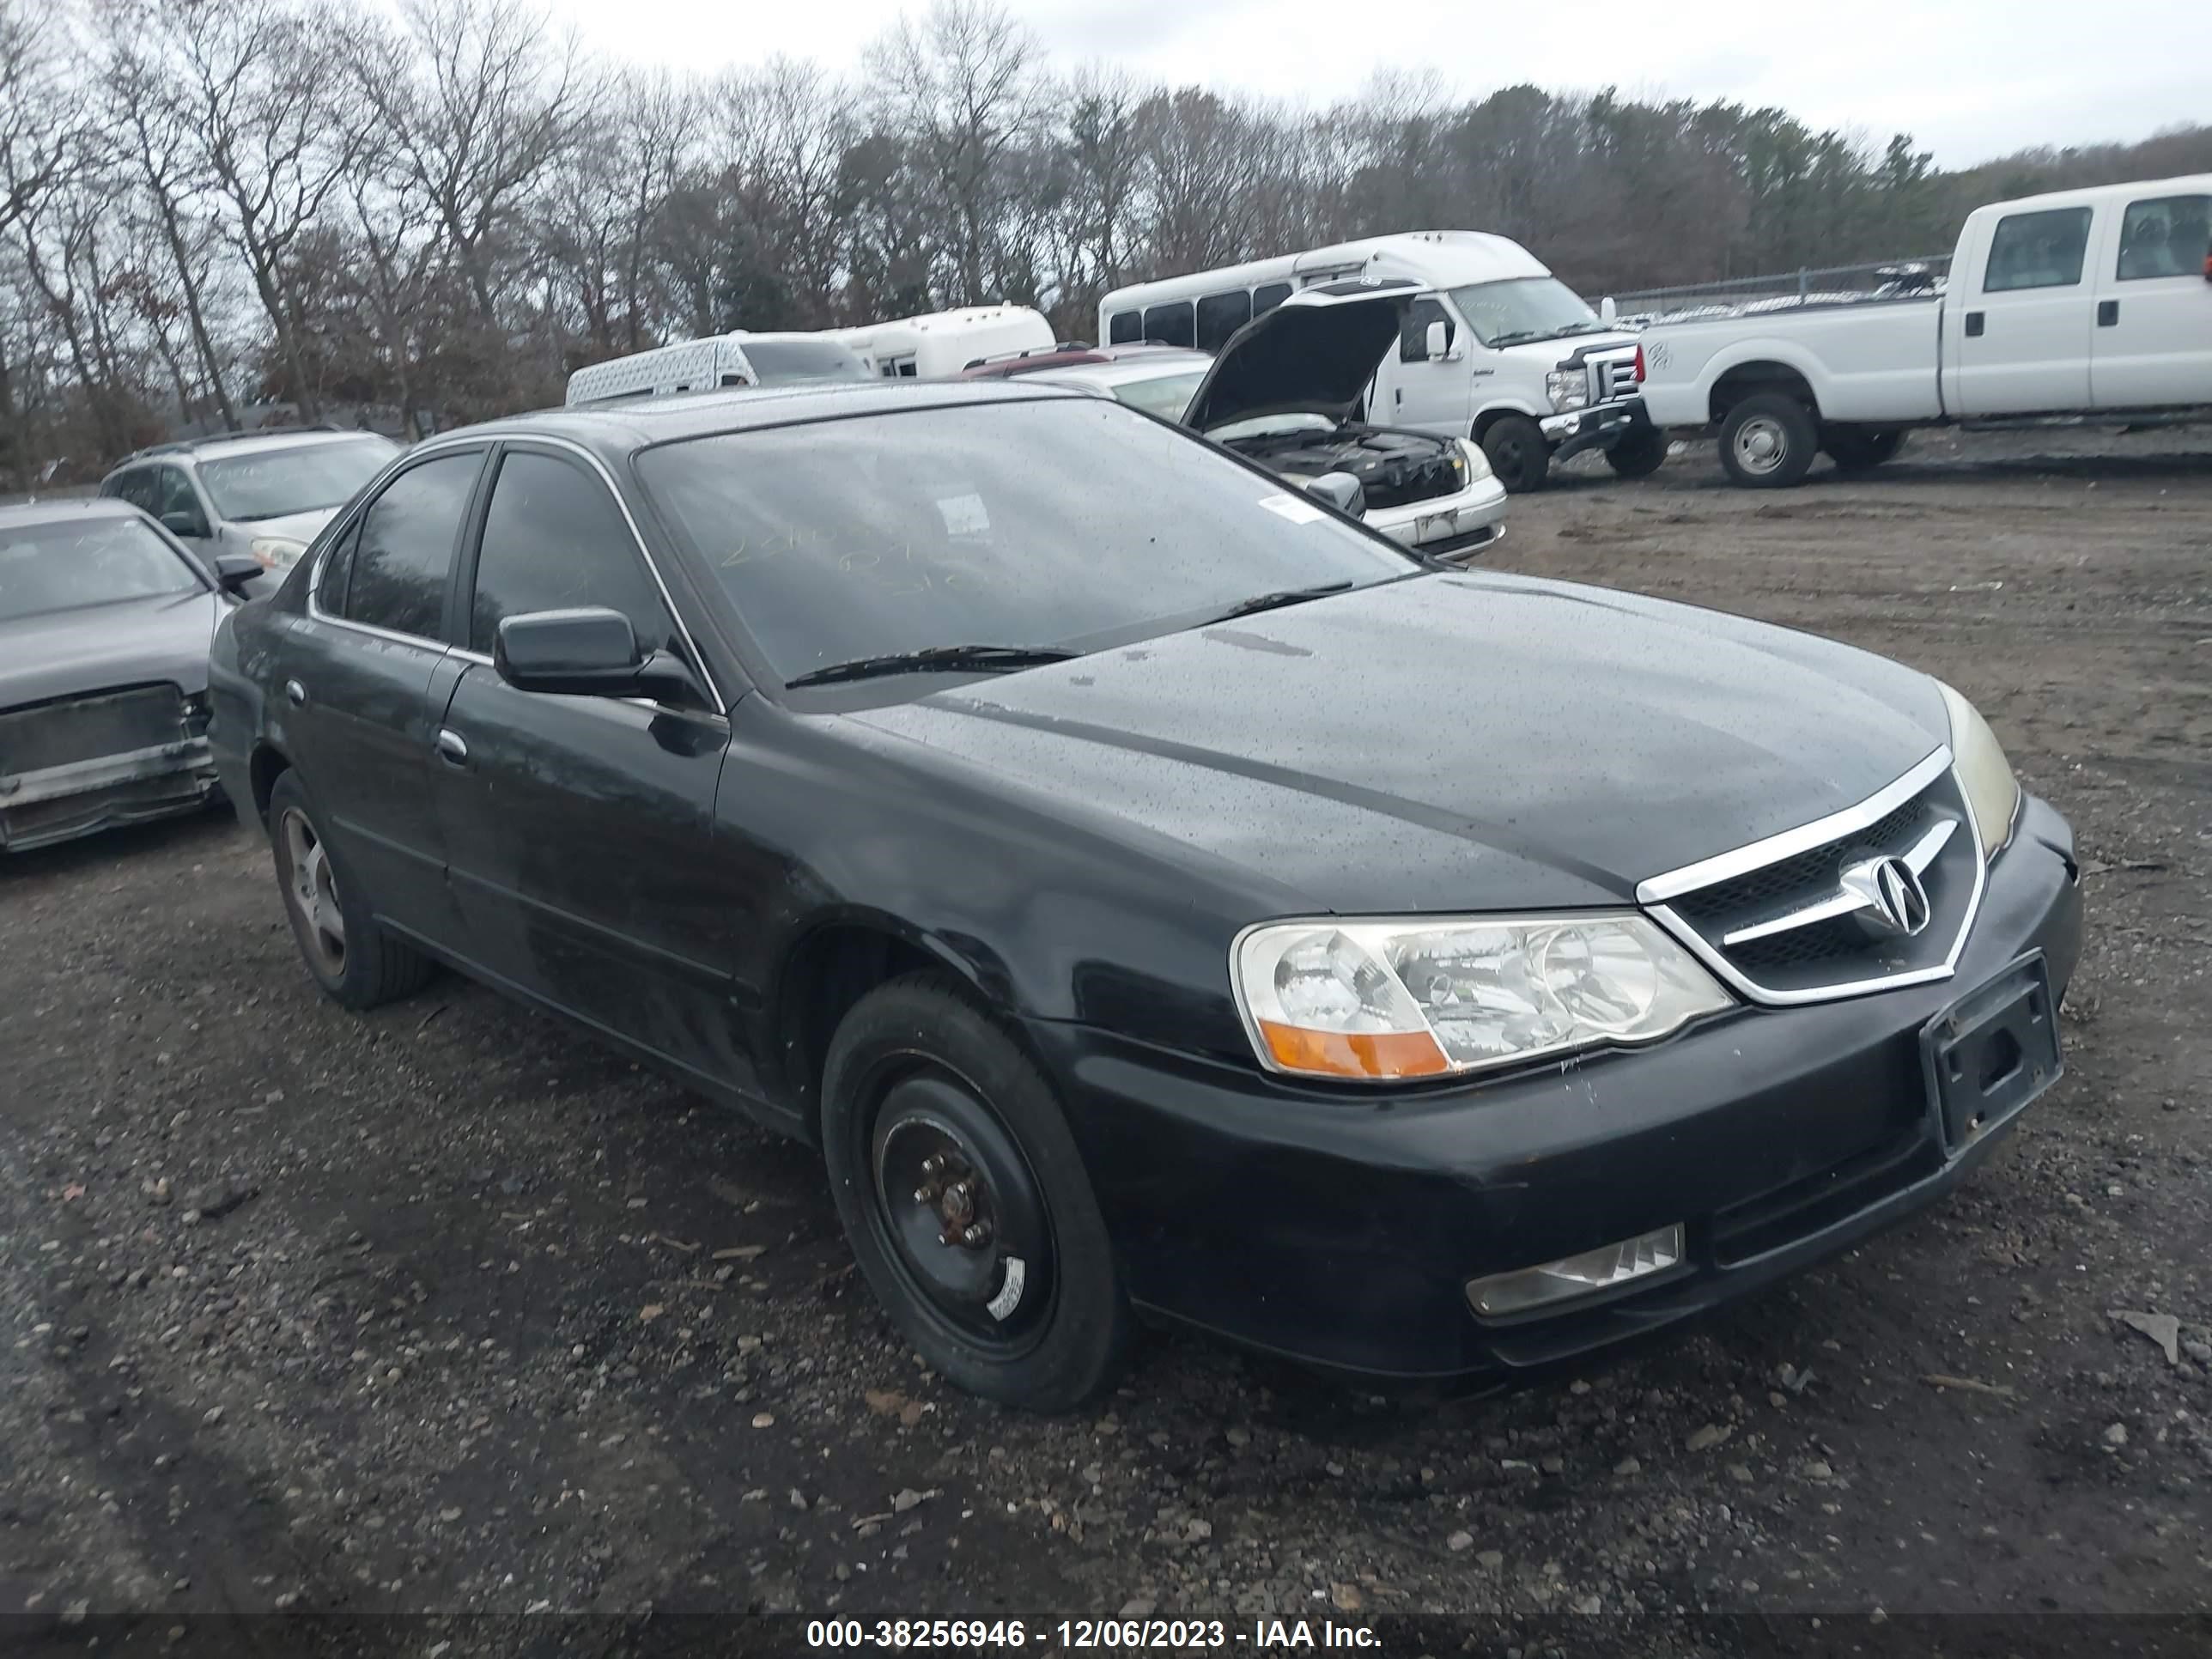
(445, 1308)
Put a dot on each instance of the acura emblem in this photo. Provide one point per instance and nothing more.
(1890, 896)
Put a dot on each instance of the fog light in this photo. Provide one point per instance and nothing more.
(1577, 1275)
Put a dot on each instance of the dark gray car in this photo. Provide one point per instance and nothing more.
(104, 627)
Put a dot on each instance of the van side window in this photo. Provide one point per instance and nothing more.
(1413, 330)
(1220, 316)
(2167, 236)
(1125, 328)
(2037, 250)
(1170, 324)
(1268, 295)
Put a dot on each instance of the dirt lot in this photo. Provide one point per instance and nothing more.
(445, 1308)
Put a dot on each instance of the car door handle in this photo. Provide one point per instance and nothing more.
(451, 749)
(296, 694)
(2108, 313)
(1974, 324)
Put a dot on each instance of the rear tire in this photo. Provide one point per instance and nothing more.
(1856, 449)
(1768, 441)
(966, 1200)
(356, 962)
(1518, 453)
(1638, 455)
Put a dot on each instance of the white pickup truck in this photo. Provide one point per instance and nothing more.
(2083, 307)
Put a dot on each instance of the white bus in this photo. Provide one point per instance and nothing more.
(1494, 347)
(940, 343)
(738, 358)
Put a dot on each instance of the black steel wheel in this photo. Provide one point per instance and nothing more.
(1518, 453)
(1638, 455)
(966, 1200)
(1859, 449)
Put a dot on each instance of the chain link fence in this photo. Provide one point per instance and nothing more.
(1784, 290)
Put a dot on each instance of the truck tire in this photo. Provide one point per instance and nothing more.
(1858, 448)
(1768, 441)
(1639, 454)
(1518, 455)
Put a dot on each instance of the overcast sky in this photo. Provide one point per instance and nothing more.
(1970, 79)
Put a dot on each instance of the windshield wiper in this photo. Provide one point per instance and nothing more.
(1259, 602)
(937, 658)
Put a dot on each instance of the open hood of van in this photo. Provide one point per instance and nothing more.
(1315, 352)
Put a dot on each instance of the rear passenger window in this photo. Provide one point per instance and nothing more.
(405, 553)
(1170, 324)
(1125, 328)
(2037, 250)
(554, 539)
(1220, 316)
(1268, 295)
(2167, 236)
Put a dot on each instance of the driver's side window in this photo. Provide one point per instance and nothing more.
(554, 539)
(1413, 330)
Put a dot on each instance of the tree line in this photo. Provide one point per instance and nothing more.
(210, 207)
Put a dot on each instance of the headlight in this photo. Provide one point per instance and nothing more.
(1381, 1000)
(277, 552)
(1983, 772)
(1568, 388)
(1473, 465)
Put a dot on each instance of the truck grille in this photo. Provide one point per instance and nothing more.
(1613, 379)
(1804, 925)
(73, 729)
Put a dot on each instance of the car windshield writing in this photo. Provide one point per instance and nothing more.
(272, 482)
(1525, 308)
(1065, 524)
(1164, 395)
(791, 363)
(45, 568)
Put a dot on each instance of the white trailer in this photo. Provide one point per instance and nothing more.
(737, 359)
(939, 344)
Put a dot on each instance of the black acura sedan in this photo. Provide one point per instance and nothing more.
(1155, 894)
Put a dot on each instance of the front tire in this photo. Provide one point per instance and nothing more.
(354, 960)
(1638, 455)
(1768, 442)
(967, 1201)
(1517, 453)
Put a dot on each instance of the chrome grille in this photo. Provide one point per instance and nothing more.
(1761, 926)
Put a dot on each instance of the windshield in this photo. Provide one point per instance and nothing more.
(270, 484)
(793, 362)
(90, 561)
(1067, 524)
(1164, 395)
(1526, 308)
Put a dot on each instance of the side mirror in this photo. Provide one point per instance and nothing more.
(1340, 489)
(233, 571)
(1437, 339)
(592, 652)
(185, 524)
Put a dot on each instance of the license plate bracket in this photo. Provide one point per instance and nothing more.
(1990, 1053)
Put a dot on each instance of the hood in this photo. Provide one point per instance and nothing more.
(301, 527)
(1448, 742)
(1315, 351)
(1573, 348)
(132, 642)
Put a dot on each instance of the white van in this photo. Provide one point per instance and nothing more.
(940, 343)
(738, 358)
(1494, 347)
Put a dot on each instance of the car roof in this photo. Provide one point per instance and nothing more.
(56, 508)
(623, 427)
(227, 443)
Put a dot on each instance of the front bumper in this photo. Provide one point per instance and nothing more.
(59, 803)
(1600, 426)
(1341, 1229)
(1450, 526)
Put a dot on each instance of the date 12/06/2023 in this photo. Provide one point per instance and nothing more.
(1071, 1635)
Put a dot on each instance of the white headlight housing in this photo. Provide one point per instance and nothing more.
(1377, 1000)
(277, 552)
(1477, 464)
(1983, 772)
